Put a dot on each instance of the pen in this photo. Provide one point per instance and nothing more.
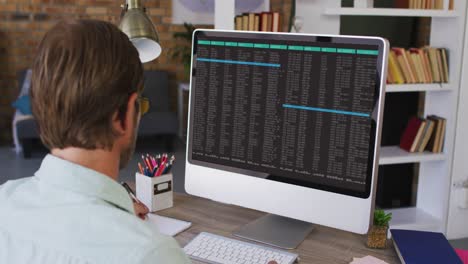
(153, 162)
(134, 198)
(151, 165)
(130, 192)
(161, 169)
(145, 161)
(147, 172)
(141, 168)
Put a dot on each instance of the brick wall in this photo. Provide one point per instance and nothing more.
(24, 22)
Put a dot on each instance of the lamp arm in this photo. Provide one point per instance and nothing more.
(133, 4)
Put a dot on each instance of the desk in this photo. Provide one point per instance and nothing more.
(323, 245)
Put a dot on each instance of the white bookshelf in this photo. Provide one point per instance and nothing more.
(435, 169)
(396, 155)
(418, 87)
(350, 11)
(414, 218)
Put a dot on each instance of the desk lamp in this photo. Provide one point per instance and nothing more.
(140, 30)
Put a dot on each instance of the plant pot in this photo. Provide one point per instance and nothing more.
(377, 237)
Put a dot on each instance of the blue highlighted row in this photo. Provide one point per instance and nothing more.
(240, 62)
(325, 110)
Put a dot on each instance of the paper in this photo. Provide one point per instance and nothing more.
(367, 260)
(166, 225)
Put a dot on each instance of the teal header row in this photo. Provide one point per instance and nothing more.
(288, 47)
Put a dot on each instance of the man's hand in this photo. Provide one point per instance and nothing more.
(140, 210)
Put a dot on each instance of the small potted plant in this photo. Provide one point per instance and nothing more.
(377, 236)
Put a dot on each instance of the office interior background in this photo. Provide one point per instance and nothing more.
(425, 191)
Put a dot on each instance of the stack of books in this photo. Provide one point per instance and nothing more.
(423, 4)
(424, 134)
(423, 65)
(265, 21)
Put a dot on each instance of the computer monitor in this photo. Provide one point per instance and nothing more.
(287, 124)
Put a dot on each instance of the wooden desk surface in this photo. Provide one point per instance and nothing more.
(323, 245)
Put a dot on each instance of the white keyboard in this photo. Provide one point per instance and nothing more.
(216, 249)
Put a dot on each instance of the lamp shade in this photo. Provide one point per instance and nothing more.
(142, 33)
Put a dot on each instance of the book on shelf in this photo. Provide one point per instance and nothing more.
(394, 70)
(424, 134)
(238, 22)
(436, 143)
(417, 65)
(422, 4)
(419, 136)
(245, 22)
(257, 22)
(251, 21)
(445, 64)
(275, 24)
(265, 21)
(403, 62)
(414, 56)
(407, 139)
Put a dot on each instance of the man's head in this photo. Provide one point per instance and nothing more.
(86, 81)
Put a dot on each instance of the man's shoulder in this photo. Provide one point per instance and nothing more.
(11, 185)
(16, 187)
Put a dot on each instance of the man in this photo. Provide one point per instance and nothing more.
(86, 90)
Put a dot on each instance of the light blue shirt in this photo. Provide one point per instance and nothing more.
(67, 213)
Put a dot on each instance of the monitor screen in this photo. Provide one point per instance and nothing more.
(298, 109)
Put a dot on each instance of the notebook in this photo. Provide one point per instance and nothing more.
(417, 247)
(166, 225)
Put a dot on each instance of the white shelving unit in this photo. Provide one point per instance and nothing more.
(447, 30)
(418, 87)
(396, 155)
(415, 218)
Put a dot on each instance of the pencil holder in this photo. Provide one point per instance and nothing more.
(154, 192)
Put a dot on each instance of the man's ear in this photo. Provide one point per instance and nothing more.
(123, 122)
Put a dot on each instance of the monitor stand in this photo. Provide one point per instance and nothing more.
(275, 230)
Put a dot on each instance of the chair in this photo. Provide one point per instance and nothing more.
(25, 132)
(159, 121)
